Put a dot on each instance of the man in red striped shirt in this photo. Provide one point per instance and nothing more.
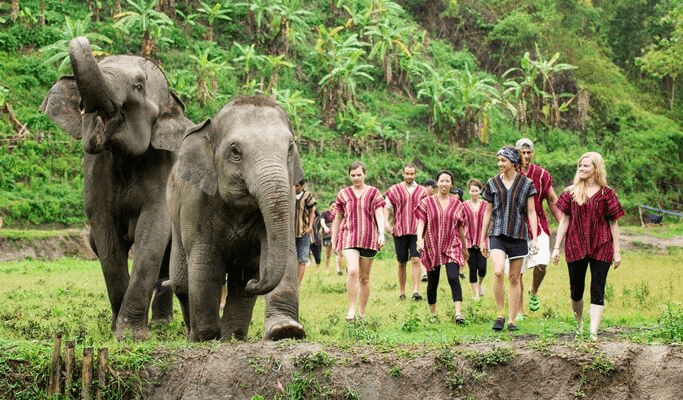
(543, 183)
(403, 199)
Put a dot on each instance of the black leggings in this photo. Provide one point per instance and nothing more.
(453, 273)
(577, 279)
(477, 263)
(315, 250)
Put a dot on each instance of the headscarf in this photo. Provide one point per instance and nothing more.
(509, 154)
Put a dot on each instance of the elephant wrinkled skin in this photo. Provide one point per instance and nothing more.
(131, 125)
(231, 200)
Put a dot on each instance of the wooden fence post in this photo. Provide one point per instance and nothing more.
(54, 381)
(70, 363)
(102, 357)
(86, 375)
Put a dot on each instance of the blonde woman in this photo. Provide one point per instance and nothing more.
(590, 210)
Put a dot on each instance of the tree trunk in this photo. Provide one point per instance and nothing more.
(42, 12)
(117, 7)
(14, 13)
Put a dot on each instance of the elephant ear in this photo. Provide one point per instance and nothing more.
(61, 105)
(296, 171)
(195, 160)
(169, 127)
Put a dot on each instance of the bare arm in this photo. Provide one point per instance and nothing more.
(552, 204)
(485, 229)
(379, 217)
(311, 220)
(335, 226)
(387, 217)
(614, 228)
(420, 231)
(561, 232)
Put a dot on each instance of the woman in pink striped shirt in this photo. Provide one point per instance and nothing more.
(440, 218)
(590, 210)
(474, 209)
(360, 219)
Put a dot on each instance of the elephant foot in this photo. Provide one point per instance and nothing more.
(278, 328)
(139, 333)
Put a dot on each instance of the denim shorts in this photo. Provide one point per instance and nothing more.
(514, 248)
(303, 245)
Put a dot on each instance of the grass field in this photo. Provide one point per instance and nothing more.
(68, 295)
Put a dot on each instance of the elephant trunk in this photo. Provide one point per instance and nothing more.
(96, 95)
(275, 200)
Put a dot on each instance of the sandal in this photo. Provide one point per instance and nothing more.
(512, 327)
(350, 317)
(498, 324)
(459, 319)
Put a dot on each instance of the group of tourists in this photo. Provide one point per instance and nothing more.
(503, 220)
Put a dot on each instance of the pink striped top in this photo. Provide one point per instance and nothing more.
(475, 222)
(442, 242)
(543, 183)
(404, 205)
(358, 227)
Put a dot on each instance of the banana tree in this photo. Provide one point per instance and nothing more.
(58, 52)
(151, 22)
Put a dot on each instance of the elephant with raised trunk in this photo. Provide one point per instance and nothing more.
(131, 126)
(231, 199)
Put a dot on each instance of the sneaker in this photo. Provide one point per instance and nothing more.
(459, 319)
(416, 296)
(534, 304)
(512, 327)
(424, 278)
(402, 297)
(498, 324)
(481, 291)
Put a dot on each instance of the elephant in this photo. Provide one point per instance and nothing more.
(231, 199)
(131, 126)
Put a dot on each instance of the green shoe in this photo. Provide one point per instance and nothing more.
(534, 304)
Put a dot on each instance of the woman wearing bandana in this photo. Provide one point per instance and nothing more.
(512, 205)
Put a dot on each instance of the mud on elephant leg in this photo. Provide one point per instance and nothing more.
(237, 316)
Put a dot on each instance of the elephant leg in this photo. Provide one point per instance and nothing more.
(162, 305)
(238, 309)
(113, 256)
(178, 276)
(282, 306)
(152, 235)
(205, 283)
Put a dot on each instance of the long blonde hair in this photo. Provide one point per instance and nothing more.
(578, 189)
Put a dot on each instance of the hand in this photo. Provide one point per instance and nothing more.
(419, 244)
(556, 256)
(380, 240)
(534, 246)
(327, 230)
(617, 259)
(485, 251)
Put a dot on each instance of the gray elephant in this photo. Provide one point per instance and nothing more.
(231, 199)
(131, 125)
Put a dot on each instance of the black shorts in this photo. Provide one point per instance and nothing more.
(406, 246)
(514, 248)
(364, 253)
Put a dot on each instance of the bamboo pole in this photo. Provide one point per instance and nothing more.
(86, 376)
(53, 386)
(69, 368)
(102, 358)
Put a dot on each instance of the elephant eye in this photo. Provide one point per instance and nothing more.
(139, 86)
(235, 153)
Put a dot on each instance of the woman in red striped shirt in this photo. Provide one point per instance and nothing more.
(440, 218)
(360, 219)
(590, 210)
(474, 209)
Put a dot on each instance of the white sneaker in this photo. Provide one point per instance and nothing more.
(481, 291)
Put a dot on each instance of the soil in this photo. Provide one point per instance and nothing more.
(526, 368)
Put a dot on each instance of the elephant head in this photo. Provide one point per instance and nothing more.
(246, 155)
(121, 104)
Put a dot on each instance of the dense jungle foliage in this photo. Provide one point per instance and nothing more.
(443, 84)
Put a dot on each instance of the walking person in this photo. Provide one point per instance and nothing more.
(430, 187)
(326, 220)
(402, 200)
(304, 216)
(510, 195)
(317, 239)
(590, 210)
(543, 183)
(474, 210)
(441, 238)
(360, 220)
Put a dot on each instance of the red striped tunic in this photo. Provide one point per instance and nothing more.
(543, 182)
(442, 242)
(404, 205)
(358, 227)
(475, 223)
(588, 233)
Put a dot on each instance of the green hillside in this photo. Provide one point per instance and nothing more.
(443, 84)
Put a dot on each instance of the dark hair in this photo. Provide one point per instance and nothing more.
(458, 191)
(410, 165)
(475, 182)
(331, 202)
(356, 165)
(429, 182)
(447, 172)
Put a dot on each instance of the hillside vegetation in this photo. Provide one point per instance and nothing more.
(443, 84)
